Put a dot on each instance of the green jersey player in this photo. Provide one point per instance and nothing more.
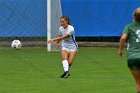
(131, 33)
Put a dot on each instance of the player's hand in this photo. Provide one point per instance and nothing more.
(58, 45)
(50, 41)
(120, 53)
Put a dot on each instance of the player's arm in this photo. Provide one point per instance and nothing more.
(58, 42)
(122, 43)
(58, 39)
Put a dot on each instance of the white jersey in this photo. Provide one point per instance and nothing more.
(70, 41)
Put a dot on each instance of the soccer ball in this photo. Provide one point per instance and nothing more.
(16, 44)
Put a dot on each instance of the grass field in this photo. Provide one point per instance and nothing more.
(34, 70)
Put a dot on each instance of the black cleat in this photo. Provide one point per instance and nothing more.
(65, 75)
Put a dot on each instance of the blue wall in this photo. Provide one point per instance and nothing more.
(99, 17)
(27, 18)
(22, 18)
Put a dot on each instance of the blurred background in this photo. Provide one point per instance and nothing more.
(96, 22)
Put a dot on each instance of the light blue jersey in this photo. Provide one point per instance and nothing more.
(70, 41)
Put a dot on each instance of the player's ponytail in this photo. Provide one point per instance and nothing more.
(67, 19)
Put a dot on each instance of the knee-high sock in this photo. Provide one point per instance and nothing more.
(65, 65)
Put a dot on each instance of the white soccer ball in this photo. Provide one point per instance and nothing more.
(16, 44)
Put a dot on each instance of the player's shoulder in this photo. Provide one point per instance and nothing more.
(131, 24)
(71, 27)
(60, 28)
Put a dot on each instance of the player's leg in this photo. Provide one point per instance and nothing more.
(71, 57)
(134, 66)
(136, 74)
(65, 63)
(64, 59)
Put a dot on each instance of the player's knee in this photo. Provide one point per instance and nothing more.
(64, 58)
(138, 81)
(70, 61)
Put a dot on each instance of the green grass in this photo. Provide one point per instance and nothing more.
(34, 70)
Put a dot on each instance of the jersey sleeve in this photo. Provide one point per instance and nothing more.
(60, 33)
(70, 31)
(126, 29)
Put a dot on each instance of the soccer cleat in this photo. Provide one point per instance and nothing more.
(65, 75)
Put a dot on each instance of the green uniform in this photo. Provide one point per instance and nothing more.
(133, 47)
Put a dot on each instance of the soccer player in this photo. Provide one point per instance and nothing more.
(68, 45)
(131, 33)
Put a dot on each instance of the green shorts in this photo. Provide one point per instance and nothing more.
(134, 64)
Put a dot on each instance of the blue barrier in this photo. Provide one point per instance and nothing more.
(27, 18)
(22, 18)
(99, 17)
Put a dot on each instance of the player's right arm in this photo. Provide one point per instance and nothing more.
(59, 38)
(58, 43)
(123, 40)
(122, 43)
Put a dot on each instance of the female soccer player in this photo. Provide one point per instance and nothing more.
(68, 45)
(131, 33)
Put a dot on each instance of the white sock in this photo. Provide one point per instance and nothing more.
(65, 65)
